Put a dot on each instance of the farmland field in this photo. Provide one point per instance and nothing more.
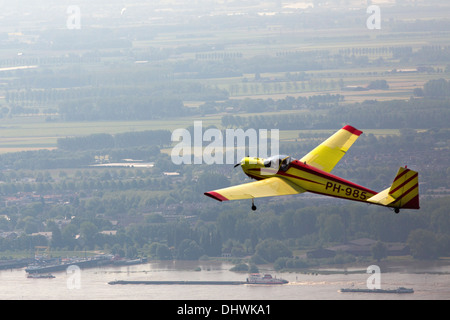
(277, 52)
(90, 94)
(41, 135)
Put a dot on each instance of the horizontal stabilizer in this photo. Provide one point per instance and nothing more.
(382, 198)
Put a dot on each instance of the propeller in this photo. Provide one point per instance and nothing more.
(237, 164)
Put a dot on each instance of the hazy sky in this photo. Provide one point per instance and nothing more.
(25, 15)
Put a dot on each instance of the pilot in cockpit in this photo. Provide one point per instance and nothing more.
(280, 162)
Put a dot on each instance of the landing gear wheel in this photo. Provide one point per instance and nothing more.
(253, 205)
(396, 210)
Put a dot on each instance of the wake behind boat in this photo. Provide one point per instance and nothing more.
(257, 278)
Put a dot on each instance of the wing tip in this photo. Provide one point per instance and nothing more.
(215, 195)
(352, 130)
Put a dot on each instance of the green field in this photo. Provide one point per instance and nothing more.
(163, 65)
(269, 37)
(35, 133)
(38, 134)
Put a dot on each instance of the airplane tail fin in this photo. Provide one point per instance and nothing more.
(402, 194)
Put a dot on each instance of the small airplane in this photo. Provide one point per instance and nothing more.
(281, 175)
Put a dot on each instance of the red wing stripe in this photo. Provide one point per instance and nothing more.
(352, 130)
(216, 196)
(404, 183)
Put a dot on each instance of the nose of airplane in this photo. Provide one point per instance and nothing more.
(242, 162)
(251, 161)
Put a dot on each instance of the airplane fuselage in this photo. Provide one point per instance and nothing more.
(310, 179)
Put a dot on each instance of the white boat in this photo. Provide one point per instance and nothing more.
(257, 278)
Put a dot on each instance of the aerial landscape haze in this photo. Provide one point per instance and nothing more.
(118, 117)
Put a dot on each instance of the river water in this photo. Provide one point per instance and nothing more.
(429, 283)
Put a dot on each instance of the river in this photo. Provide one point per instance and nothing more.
(431, 282)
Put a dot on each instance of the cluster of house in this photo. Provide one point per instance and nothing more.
(29, 197)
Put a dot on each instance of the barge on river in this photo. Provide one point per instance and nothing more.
(398, 290)
(254, 278)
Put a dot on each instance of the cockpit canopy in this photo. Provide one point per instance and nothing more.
(278, 162)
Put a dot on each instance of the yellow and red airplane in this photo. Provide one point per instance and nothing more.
(280, 175)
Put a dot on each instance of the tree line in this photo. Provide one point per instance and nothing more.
(439, 88)
(101, 141)
(268, 235)
(270, 105)
(368, 114)
(124, 108)
(59, 158)
(155, 206)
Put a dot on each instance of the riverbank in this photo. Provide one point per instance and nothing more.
(92, 284)
(404, 265)
(391, 264)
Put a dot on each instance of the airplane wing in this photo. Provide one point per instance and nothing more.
(269, 187)
(328, 153)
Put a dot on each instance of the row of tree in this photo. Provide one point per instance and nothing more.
(147, 138)
(368, 114)
(267, 235)
(373, 154)
(125, 108)
(95, 197)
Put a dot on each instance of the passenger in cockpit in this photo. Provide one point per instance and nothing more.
(279, 162)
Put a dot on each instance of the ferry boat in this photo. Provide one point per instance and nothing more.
(257, 278)
(124, 262)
